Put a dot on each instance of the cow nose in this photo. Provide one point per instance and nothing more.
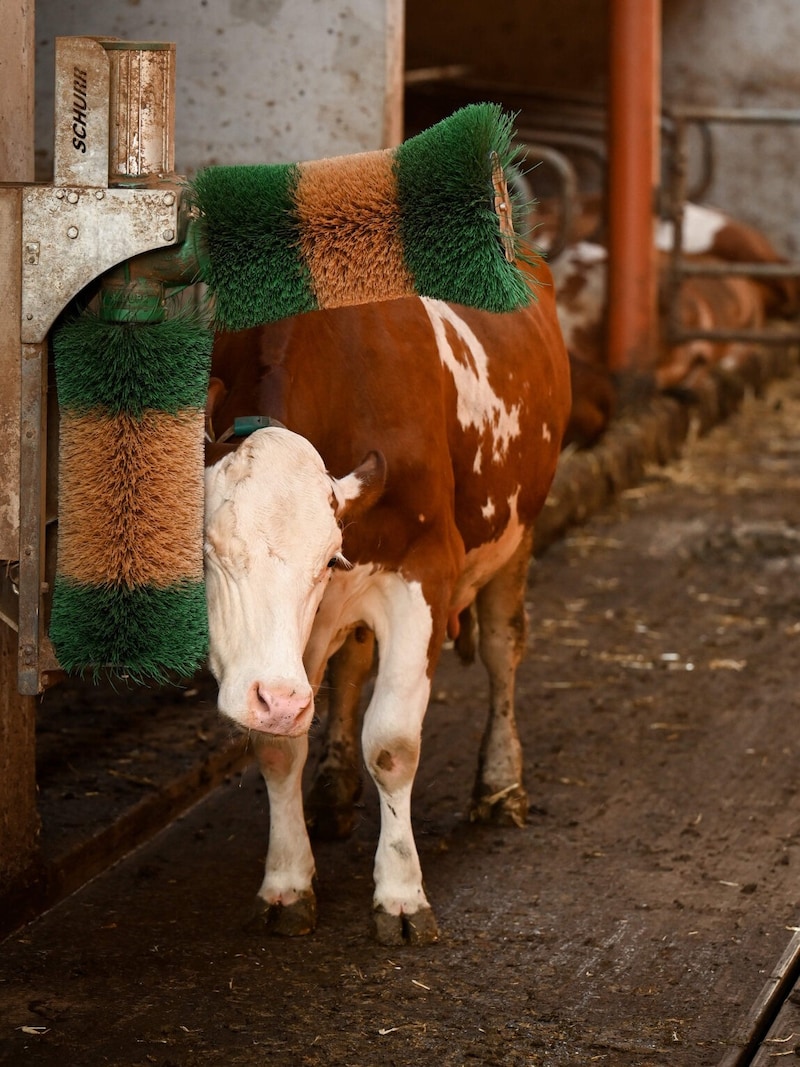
(285, 710)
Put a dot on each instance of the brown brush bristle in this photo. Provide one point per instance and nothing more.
(129, 494)
(350, 234)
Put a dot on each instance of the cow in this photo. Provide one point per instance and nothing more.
(719, 302)
(411, 446)
(579, 275)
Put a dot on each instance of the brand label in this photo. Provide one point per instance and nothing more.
(79, 109)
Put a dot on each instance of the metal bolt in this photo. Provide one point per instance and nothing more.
(169, 199)
(168, 235)
(60, 194)
(99, 194)
(72, 232)
(72, 197)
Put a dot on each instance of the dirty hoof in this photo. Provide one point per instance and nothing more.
(417, 929)
(509, 807)
(330, 806)
(286, 920)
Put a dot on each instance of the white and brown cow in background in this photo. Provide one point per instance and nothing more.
(418, 443)
(703, 303)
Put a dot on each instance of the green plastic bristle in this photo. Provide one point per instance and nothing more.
(132, 367)
(248, 223)
(450, 230)
(145, 632)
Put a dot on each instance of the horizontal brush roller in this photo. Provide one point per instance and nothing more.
(279, 240)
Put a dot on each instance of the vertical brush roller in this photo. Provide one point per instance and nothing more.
(284, 239)
(129, 593)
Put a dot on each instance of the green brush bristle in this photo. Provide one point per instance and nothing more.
(254, 266)
(144, 632)
(127, 367)
(450, 230)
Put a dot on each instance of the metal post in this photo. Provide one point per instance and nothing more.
(634, 109)
(19, 820)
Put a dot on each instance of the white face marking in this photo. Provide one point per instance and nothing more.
(582, 309)
(546, 432)
(700, 227)
(270, 533)
(488, 509)
(478, 405)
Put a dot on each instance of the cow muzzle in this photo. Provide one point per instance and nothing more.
(281, 710)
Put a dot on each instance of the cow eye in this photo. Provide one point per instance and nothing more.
(333, 561)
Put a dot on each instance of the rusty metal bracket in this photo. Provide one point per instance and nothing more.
(70, 235)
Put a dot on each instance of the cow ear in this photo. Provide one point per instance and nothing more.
(215, 396)
(359, 490)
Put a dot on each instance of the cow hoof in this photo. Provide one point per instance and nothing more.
(509, 807)
(330, 805)
(417, 929)
(286, 920)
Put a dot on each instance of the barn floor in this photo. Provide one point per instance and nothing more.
(633, 922)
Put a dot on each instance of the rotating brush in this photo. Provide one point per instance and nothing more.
(431, 217)
(129, 592)
(421, 218)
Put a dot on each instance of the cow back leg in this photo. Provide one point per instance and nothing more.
(337, 785)
(391, 745)
(286, 901)
(499, 793)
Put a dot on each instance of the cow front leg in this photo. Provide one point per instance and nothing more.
(391, 745)
(286, 901)
(330, 804)
(499, 793)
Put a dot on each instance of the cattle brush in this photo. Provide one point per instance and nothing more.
(421, 218)
(129, 593)
(431, 217)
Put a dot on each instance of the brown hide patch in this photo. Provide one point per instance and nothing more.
(129, 492)
(384, 760)
(336, 252)
(459, 347)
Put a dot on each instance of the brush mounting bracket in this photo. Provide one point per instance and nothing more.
(112, 212)
(71, 235)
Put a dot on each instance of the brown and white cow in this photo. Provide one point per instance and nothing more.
(418, 442)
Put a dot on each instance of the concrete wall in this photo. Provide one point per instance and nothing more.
(259, 81)
(735, 53)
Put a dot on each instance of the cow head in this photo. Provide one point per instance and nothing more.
(273, 537)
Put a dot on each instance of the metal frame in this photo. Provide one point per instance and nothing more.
(114, 200)
(682, 120)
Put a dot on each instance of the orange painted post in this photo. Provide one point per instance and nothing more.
(634, 105)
